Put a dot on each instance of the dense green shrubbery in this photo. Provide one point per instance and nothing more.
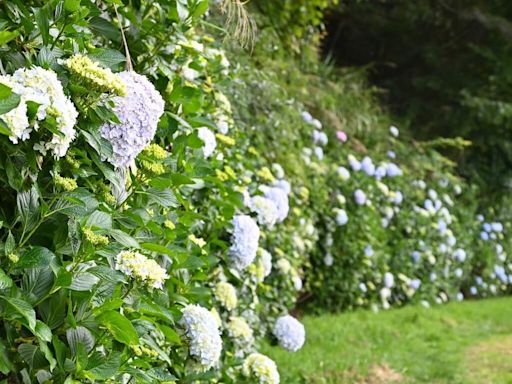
(129, 255)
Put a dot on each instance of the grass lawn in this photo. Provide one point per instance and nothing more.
(468, 342)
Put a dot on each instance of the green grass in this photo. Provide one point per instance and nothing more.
(469, 342)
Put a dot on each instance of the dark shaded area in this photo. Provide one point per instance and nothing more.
(445, 67)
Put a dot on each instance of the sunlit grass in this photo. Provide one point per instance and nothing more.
(454, 343)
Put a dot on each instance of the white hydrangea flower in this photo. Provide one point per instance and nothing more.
(278, 170)
(265, 261)
(245, 238)
(203, 333)
(265, 209)
(341, 217)
(389, 280)
(225, 293)
(284, 266)
(239, 329)
(208, 138)
(41, 86)
(290, 333)
(142, 268)
(138, 112)
(280, 200)
(343, 173)
(394, 131)
(284, 185)
(262, 368)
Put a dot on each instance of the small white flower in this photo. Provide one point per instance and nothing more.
(394, 131)
(208, 138)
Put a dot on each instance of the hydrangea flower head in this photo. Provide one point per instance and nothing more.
(265, 209)
(245, 239)
(280, 200)
(239, 329)
(263, 369)
(290, 333)
(41, 86)
(140, 267)
(360, 197)
(202, 331)
(138, 112)
(225, 293)
(341, 136)
(341, 217)
(343, 173)
(208, 138)
(394, 131)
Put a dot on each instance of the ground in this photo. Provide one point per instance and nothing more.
(467, 343)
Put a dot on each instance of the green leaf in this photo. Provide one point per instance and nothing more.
(109, 58)
(10, 243)
(6, 36)
(42, 21)
(43, 332)
(32, 355)
(157, 248)
(21, 307)
(124, 239)
(5, 91)
(28, 206)
(5, 363)
(35, 257)
(37, 282)
(120, 327)
(83, 281)
(79, 336)
(99, 219)
(5, 281)
(105, 28)
(71, 5)
(9, 103)
(101, 368)
(163, 197)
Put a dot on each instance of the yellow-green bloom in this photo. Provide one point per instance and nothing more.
(103, 79)
(65, 183)
(94, 238)
(225, 293)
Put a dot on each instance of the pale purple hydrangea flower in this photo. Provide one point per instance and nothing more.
(244, 247)
(138, 112)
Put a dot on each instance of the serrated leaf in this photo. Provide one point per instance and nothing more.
(10, 243)
(105, 28)
(32, 355)
(120, 327)
(124, 239)
(21, 308)
(79, 336)
(99, 219)
(106, 367)
(35, 257)
(43, 332)
(109, 58)
(5, 281)
(9, 103)
(83, 281)
(28, 206)
(37, 282)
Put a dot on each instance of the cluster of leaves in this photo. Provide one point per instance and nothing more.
(68, 314)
